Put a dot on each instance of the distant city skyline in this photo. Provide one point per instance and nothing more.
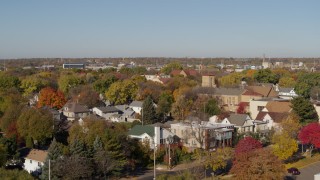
(180, 28)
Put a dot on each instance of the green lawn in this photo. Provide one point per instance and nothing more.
(304, 162)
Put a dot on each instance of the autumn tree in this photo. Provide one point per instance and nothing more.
(170, 67)
(304, 109)
(231, 80)
(148, 111)
(287, 82)
(218, 160)
(241, 109)
(35, 124)
(246, 145)
(51, 98)
(122, 92)
(32, 84)
(181, 108)
(149, 88)
(85, 95)
(284, 146)
(68, 81)
(258, 164)
(291, 125)
(309, 135)
(7, 81)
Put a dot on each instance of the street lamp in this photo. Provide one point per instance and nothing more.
(170, 141)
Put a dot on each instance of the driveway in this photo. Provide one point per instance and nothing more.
(308, 172)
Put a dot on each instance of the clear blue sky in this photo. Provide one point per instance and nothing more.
(166, 28)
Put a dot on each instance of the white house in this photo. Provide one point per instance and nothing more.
(106, 112)
(136, 106)
(242, 122)
(34, 161)
(153, 135)
(286, 93)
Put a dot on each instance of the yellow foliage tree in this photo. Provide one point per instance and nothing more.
(219, 159)
(291, 125)
(284, 146)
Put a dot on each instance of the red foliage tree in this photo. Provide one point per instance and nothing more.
(246, 145)
(52, 98)
(241, 109)
(310, 135)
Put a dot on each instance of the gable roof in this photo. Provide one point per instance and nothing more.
(265, 91)
(251, 93)
(138, 130)
(75, 107)
(278, 106)
(136, 104)
(237, 119)
(37, 155)
(191, 72)
(276, 116)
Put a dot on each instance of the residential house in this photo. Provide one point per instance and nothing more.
(157, 78)
(136, 106)
(106, 111)
(34, 161)
(74, 111)
(203, 134)
(262, 91)
(242, 122)
(155, 135)
(274, 113)
(286, 93)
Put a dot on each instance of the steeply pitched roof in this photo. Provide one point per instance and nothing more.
(265, 91)
(75, 107)
(275, 116)
(237, 119)
(278, 106)
(138, 130)
(37, 155)
(136, 104)
(228, 91)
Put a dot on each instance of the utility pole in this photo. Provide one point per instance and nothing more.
(142, 116)
(49, 171)
(154, 159)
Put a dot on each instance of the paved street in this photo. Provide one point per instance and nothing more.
(307, 173)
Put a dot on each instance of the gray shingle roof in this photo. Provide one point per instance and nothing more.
(74, 107)
(138, 130)
(237, 119)
(108, 109)
(136, 104)
(228, 91)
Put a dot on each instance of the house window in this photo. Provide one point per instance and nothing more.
(30, 161)
(260, 108)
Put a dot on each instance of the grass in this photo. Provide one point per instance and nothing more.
(304, 162)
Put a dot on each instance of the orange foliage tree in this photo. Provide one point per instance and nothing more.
(52, 98)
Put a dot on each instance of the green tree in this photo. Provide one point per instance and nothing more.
(265, 76)
(165, 103)
(212, 107)
(148, 111)
(284, 146)
(122, 92)
(32, 84)
(231, 80)
(7, 81)
(66, 82)
(3, 155)
(15, 174)
(101, 85)
(304, 109)
(170, 67)
(36, 124)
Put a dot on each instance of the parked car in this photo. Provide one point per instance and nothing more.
(293, 171)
